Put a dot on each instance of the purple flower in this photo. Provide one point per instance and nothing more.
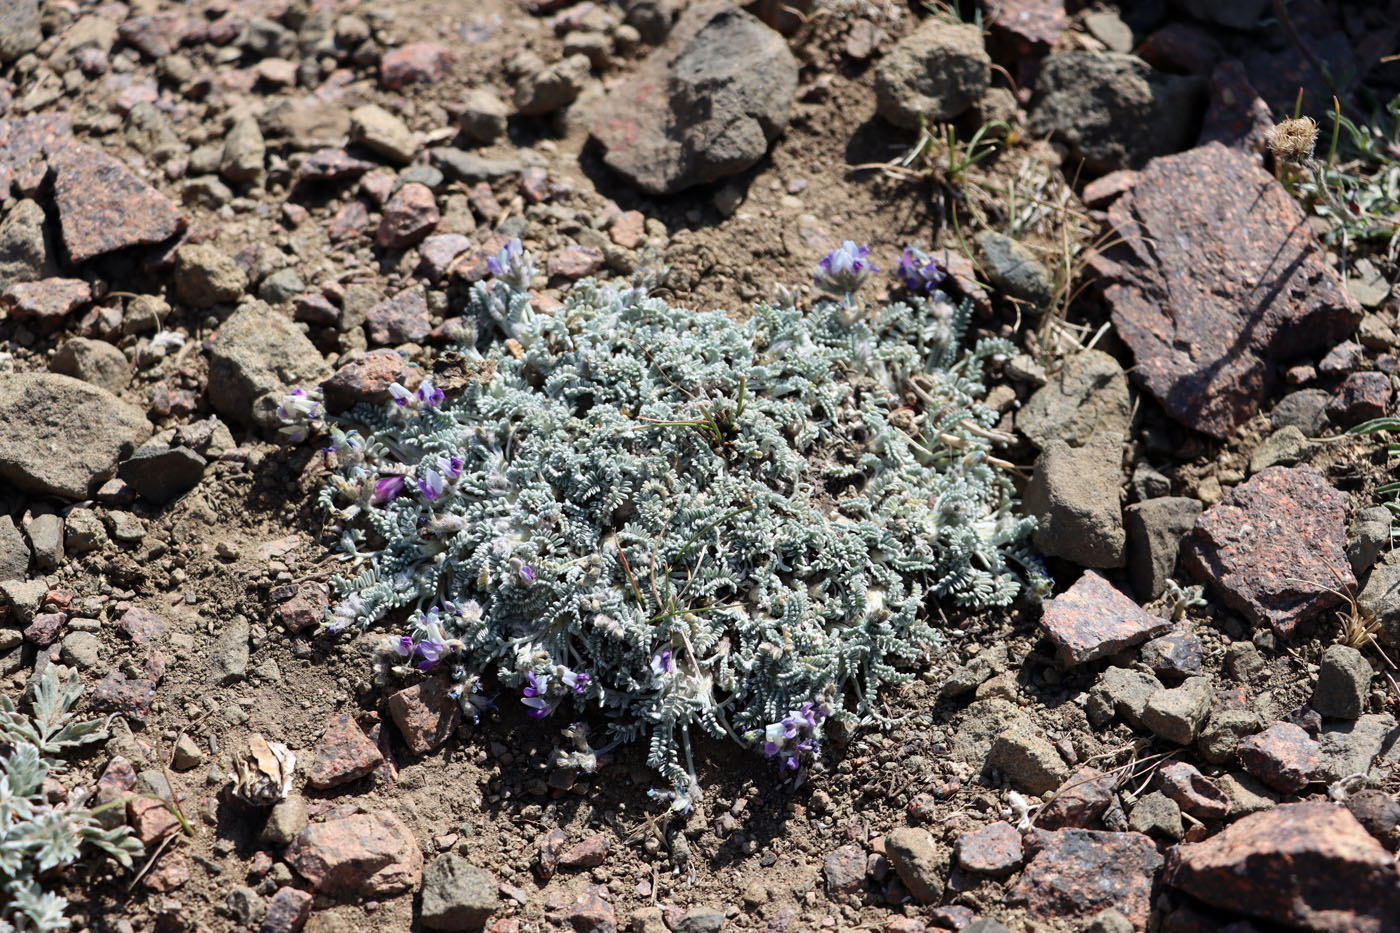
(404, 646)
(400, 394)
(501, 263)
(843, 270)
(454, 466)
(919, 271)
(386, 490)
(430, 484)
(580, 682)
(661, 662)
(430, 395)
(527, 573)
(430, 650)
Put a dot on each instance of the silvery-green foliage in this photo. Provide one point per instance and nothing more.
(678, 520)
(35, 834)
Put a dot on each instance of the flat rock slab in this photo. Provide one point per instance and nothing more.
(103, 206)
(704, 106)
(1305, 865)
(1275, 547)
(361, 855)
(1076, 873)
(1216, 280)
(61, 436)
(1093, 619)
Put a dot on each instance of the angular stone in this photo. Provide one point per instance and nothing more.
(1343, 683)
(589, 853)
(205, 277)
(1157, 815)
(14, 553)
(844, 870)
(1087, 398)
(591, 913)
(47, 300)
(918, 862)
(1177, 714)
(103, 206)
(992, 850)
(1093, 619)
(1284, 447)
(1080, 801)
(1347, 748)
(1113, 110)
(1223, 732)
(381, 132)
(1075, 873)
(575, 262)
(61, 436)
(287, 818)
(20, 29)
(1027, 25)
(25, 252)
(483, 116)
(94, 361)
(46, 541)
(1028, 759)
(1178, 654)
(228, 658)
(162, 474)
(1195, 793)
(361, 855)
(1282, 756)
(244, 152)
(367, 379)
(287, 911)
(1275, 547)
(426, 714)
(436, 253)
(1360, 397)
(1155, 528)
(255, 352)
(400, 319)
(1232, 285)
(416, 63)
(935, 73)
(457, 895)
(330, 166)
(1304, 865)
(344, 754)
(1381, 598)
(1074, 496)
(129, 696)
(1127, 691)
(702, 107)
(1014, 270)
(411, 214)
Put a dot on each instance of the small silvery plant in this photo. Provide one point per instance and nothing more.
(43, 827)
(676, 521)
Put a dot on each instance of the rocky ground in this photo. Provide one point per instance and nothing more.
(203, 204)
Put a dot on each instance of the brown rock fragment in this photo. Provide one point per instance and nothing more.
(426, 714)
(1282, 756)
(1093, 619)
(361, 855)
(1076, 873)
(344, 754)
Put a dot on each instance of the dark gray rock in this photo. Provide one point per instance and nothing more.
(244, 152)
(1155, 529)
(1156, 815)
(703, 107)
(552, 87)
(1087, 398)
(1285, 447)
(1074, 497)
(1305, 410)
(161, 474)
(653, 19)
(1014, 270)
(1370, 534)
(62, 436)
(457, 895)
(94, 361)
(483, 116)
(700, 920)
(1381, 598)
(46, 541)
(935, 73)
(26, 249)
(1343, 683)
(228, 658)
(1347, 748)
(1223, 731)
(460, 165)
(14, 553)
(1113, 110)
(257, 352)
(1177, 714)
(1235, 14)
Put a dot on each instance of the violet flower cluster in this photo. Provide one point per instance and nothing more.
(675, 521)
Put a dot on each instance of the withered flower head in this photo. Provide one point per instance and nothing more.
(1292, 141)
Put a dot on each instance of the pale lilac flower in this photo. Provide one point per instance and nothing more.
(919, 271)
(401, 396)
(430, 484)
(539, 706)
(843, 270)
(387, 489)
(661, 662)
(430, 395)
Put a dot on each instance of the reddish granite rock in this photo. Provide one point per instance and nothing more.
(43, 631)
(591, 913)
(471, 266)
(170, 872)
(1182, 48)
(103, 206)
(130, 696)
(1283, 756)
(1093, 619)
(590, 853)
(1304, 865)
(1274, 548)
(150, 820)
(49, 300)
(1360, 397)
(367, 379)
(400, 319)
(349, 222)
(24, 141)
(1195, 793)
(158, 35)
(550, 848)
(143, 626)
(437, 252)
(1028, 25)
(416, 63)
(1075, 873)
(844, 870)
(344, 754)
(409, 216)
(316, 309)
(287, 912)
(992, 850)
(331, 165)
(627, 230)
(575, 262)
(1080, 801)
(119, 776)
(534, 184)
(304, 606)
(426, 714)
(1102, 191)
(360, 855)
(1216, 280)
(1236, 115)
